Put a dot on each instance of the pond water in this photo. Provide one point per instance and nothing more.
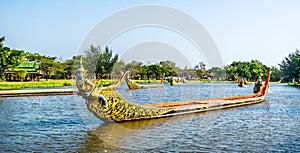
(63, 124)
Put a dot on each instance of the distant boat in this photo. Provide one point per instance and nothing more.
(174, 83)
(132, 85)
(118, 82)
(280, 80)
(241, 82)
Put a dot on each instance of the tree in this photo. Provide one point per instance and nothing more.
(49, 66)
(290, 66)
(9, 58)
(2, 39)
(52, 68)
(69, 66)
(168, 67)
(21, 74)
(90, 60)
(139, 71)
(99, 63)
(151, 70)
(231, 72)
(105, 63)
(276, 74)
(200, 69)
(155, 71)
(248, 70)
(217, 73)
(33, 56)
(243, 69)
(257, 69)
(119, 66)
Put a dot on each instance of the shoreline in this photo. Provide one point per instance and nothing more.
(67, 91)
(41, 92)
(43, 84)
(66, 83)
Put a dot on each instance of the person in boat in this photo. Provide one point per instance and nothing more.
(173, 81)
(258, 85)
(87, 89)
(245, 81)
(241, 82)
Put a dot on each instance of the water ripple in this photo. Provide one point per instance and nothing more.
(54, 124)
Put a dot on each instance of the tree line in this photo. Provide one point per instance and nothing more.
(103, 64)
(51, 67)
(249, 70)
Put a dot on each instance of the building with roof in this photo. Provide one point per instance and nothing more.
(25, 71)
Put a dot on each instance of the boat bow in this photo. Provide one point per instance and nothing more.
(132, 85)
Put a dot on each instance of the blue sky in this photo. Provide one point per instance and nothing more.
(266, 30)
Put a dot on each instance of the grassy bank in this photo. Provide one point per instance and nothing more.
(41, 84)
(44, 84)
(294, 84)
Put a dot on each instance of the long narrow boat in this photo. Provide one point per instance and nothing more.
(108, 105)
(132, 85)
(118, 82)
(277, 82)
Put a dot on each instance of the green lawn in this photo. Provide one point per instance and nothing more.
(43, 84)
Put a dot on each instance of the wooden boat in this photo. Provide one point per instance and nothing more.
(280, 80)
(115, 85)
(113, 107)
(118, 82)
(132, 85)
(174, 83)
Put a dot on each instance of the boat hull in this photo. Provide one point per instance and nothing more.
(132, 85)
(120, 110)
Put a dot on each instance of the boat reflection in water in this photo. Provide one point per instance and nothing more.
(145, 134)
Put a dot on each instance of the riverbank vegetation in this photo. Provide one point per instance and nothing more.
(45, 84)
(290, 67)
(104, 65)
(41, 84)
